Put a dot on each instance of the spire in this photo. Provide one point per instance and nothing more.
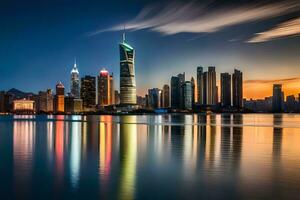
(75, 65)
(124, 36)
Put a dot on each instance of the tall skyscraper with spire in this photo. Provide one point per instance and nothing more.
(127, 74)
(75, 82)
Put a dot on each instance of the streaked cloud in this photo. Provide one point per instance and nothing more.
(194, 18)
(271, 81)
(285, 29)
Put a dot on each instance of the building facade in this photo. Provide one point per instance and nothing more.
(88, 93)
(225, 89)
(187, 95)
(59, 104)
(277, 99)
(127, 74)
(211, 86)
(75, 82)
(46, 101)
(166, 96)
(237, 89)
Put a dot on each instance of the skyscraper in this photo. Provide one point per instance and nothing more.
(204, 88)
(181, 82)
(211, 86)
(104, 89)
(225, 89)
(45, 101)
(175, 92)
(88, 92)
(187, 95)
(60, 98)
(278, 98)
(200, 85)
(154, 98)
(193, 90)
(166, 96)
(127, 74)
(75, 82)
(237, 89)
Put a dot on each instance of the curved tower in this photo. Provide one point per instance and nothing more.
(127, 74)
(75, 82)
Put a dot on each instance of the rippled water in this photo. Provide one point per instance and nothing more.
(150, 157)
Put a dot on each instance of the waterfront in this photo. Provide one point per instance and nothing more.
(222, 156)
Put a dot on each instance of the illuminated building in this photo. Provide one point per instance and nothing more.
(60, 98)
(187, 95)
(166, 96)
(105, 88)
(127, 74)
(278, 98)
(45, 100)
(23, 105)
(176, 92)
(154, 98)
(211, 86)
(73, 105)
(88, 92)
(75, 82)
(225, 89)
(193, 90)
(237, 89)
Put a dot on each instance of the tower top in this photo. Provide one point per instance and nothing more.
(124, 35)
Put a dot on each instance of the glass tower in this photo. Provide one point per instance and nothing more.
(127, 74)
(75, 82)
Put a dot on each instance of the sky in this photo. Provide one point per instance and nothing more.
(39, 41)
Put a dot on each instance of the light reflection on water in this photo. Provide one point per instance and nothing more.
(150, 157)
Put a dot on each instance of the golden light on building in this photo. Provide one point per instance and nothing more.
(23, 105)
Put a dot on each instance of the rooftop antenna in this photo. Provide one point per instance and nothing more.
(124, 34)
(75, 65)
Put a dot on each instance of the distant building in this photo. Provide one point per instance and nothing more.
(193, 90)
(154, 98)
(88, 93)
(141, 101)
(117, 97)
(187, 95)
(5, 105)
(45, 99)
(211, 86)
(175, 92)
(59, 101)
(278, 98)
(225, 89)
(291, 104)
(127, 74)
(237, 89)
(75, 82)
(181, 82)
(200, 85)
(166, 96)
(105, 88)
(23, 106)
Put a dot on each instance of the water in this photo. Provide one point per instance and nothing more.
(150, 157)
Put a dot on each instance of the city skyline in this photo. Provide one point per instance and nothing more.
(34, 49)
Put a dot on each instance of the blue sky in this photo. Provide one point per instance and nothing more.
(40, 39)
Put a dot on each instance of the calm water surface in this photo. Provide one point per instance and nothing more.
(150, 157)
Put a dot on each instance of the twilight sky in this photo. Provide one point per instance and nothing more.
(40, 40)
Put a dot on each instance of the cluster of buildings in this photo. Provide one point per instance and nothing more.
(91, 94)
(201, 94)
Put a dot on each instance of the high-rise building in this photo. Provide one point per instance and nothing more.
(73, 105)
(204, 88)
(45, 100)
(278, 98)
(193, 90)
(237, 89)
(225, 89)
(175, 92)
(187, 95)
(211, 86)
(88, 92)
(111, 90)
(117, 97)
(166, 96)
(181, 82)
(154, 98)
(104, 93)
(75, 82)
(60, 98)
(127, 74)
(200, 85)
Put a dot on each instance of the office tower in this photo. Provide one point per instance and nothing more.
(291, 103)
(88, 92)
(175, 92)
(278, 98)
(200, 85)
(187, 89)
(127, 74)
(211, 86)
(111, 90)
(181, 82)
(193, 90)
(154, 98)
(45, 101)
(59, 101)
(104, 93)
(166, 96)
(204, 88)
(73, 105)
(75, 82)
(225, 89)
(237, 89)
